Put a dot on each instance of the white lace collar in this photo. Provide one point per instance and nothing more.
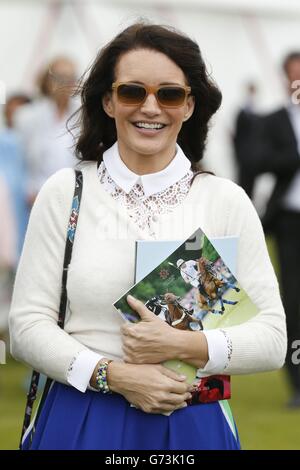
(152, 183)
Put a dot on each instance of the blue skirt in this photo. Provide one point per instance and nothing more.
(71, 420)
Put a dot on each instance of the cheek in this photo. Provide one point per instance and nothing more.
(176, 117)
(120, 122)
(123, 117)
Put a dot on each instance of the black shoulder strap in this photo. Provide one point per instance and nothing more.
(71, 230)
(69, 246)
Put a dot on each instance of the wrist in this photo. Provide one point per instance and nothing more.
(93, 379)
(175, 343)
(115, 372)
(192, 348)
(121, 377)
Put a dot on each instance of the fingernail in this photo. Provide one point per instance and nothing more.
(130, 297)
(182, 377)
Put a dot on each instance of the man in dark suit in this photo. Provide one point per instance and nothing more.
(281, 156)
(245, 139)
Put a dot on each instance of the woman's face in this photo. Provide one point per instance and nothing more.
(151, 68)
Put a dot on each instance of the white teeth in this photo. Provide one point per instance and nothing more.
(147, 125)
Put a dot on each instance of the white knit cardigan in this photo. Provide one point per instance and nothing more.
(102, 269)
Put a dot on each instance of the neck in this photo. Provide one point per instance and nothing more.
(142, 164)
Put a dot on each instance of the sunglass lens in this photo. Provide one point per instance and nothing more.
(171, 96)
(131, 94)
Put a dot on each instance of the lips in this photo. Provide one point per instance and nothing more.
(148, 132)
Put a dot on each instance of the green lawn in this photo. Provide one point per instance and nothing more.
(257, 404)
(13, 378)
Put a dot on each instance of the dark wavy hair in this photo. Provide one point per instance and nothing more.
(97, 131)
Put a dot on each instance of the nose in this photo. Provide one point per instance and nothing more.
(151, 105)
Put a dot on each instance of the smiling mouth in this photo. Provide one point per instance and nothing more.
(146, 126)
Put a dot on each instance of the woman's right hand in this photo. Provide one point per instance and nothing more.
(150, 387)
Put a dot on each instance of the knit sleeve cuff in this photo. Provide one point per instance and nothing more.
(218, 353)
(81, 369)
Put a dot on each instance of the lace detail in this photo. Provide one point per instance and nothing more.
(70, 368)
(144, 209)
(229, 348)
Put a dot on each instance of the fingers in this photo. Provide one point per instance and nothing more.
(125, 329)
(172, 374)
(178, 383)
(175, 399)
(140, 308)
(180, 388)
(173, 402)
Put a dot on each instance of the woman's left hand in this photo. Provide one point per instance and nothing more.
(151, 340)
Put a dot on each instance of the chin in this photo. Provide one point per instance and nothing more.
(148, 148)
(148, 151)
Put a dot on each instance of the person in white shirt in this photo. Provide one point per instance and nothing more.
(189, 271)
(8, 250)
(190, 274)
(146, 105)
(41, 125)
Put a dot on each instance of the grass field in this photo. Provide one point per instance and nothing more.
(263, 421)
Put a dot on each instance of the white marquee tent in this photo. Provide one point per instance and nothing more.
(241, 41)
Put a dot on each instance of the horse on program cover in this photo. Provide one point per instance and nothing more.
(209, 285)
(178, 316)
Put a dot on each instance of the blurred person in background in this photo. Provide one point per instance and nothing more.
(12, 166)
(281, 157)
(42, 125)
(12, 105)
(245, 140)
(8, 253)
(13, 207)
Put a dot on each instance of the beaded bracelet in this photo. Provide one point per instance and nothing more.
(101, 377)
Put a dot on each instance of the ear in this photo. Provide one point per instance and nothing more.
(189, 108)
(107, 104)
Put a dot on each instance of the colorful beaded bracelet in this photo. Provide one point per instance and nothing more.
(101, 378)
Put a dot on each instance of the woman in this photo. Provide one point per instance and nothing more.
(41, 125)
(144, 120)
